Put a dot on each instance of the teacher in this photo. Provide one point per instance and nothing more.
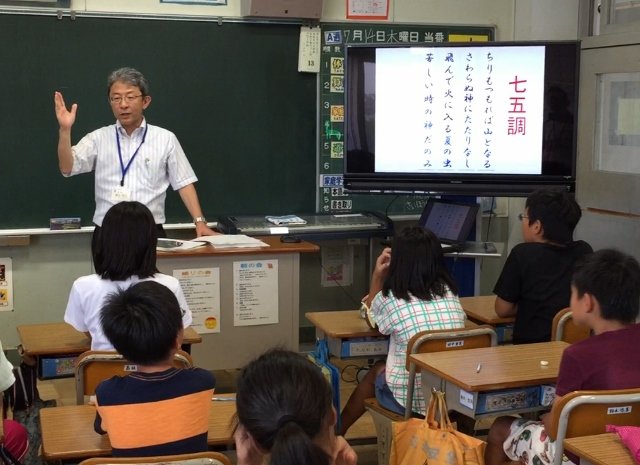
(133, 160)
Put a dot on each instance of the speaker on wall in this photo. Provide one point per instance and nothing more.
(306, 9)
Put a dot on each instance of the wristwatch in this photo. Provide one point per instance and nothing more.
(199, 219)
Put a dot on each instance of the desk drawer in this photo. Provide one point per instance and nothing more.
(508, 399)
(56, 367)
(359, 347)
(505, 333)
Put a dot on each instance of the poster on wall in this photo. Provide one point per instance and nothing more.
(337, 266)
(196, 2)
(6, 285)
(201, 288)
(368, 9)
(255, 292)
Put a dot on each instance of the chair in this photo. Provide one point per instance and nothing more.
(564, 329)
(94, 366)
(424, 342)
(199, 458)
(584, 413)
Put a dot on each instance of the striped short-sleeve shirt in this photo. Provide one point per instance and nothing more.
(159, 163)
(163, 413)
(401, 320)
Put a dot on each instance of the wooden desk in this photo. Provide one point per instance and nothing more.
(53, 339)
(68, 434)
(234, 346)
(348, 335)
(344, 325)
(275, 246)
(57, 340)
(341, 324)
(600, 449)
(481, 309)
(502, 367)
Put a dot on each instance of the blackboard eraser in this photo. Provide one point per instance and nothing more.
(59, 224)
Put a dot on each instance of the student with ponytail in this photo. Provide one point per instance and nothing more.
(285, 415)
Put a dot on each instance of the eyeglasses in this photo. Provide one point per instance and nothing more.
(522, 216)
(117, 99)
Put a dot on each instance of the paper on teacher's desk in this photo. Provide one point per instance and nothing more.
(286, 219)
(172, 245)
(222, 241)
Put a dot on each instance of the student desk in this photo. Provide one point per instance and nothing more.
(234, 346)
(348, 335)
(481, 309)
(61, 340)
(54, 339)
(501, 367)
(68, 434)
(600, 449)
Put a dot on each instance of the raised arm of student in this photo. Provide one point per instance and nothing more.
(189, 197)
(379, 274)
(66, 118)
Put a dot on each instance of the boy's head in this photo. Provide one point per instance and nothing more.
(613, 280)
(143, 322)
(554, 214)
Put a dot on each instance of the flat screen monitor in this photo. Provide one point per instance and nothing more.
(451, 222)
(478, 118)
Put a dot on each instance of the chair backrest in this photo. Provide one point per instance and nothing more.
(584, 413)
(564, 329)
(444, 340)
(94, 366)
(199, 458)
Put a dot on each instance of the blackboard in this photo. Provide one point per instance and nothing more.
(331, 197)
(231, 93)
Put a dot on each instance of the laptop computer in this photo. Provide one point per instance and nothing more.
(451, 222)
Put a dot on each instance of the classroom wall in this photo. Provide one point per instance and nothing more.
(44, 270)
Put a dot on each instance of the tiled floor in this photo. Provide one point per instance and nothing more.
(361, 433)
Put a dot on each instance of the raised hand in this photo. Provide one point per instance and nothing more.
(65, 117)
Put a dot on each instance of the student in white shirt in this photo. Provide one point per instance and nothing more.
(124, 254)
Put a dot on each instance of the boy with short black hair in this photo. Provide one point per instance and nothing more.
(158, 409)
(534, 283)
(605, 296)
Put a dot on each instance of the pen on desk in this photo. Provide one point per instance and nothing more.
(479, 367)
(224, 398)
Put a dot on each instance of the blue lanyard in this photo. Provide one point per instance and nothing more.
(123, 168)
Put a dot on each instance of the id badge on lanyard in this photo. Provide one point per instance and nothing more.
(122, 191)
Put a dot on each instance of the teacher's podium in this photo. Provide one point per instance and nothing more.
(234, 346)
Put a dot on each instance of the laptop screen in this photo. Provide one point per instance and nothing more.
(451, 222)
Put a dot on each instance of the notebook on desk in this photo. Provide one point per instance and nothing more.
(451, 222)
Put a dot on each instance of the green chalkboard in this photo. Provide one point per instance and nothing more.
(231, 93)
(331, 197)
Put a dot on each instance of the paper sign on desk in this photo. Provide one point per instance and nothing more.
(226, 241)
(466, 399)
(201, 288)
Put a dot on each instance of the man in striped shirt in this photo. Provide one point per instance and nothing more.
(133, 160)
